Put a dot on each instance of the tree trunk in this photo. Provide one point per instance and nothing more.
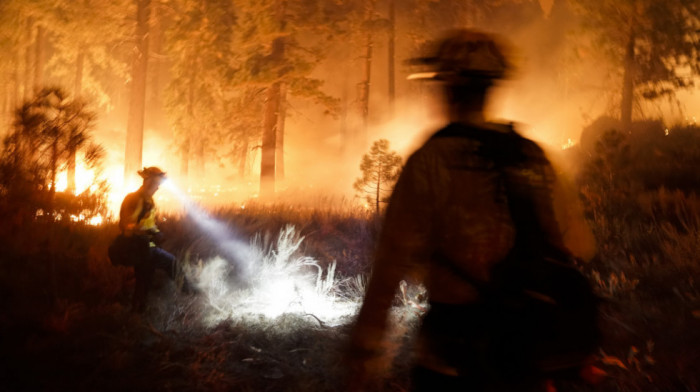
(77, 90)
(156, 62)
(344, 133)
(54, 172)
(137, 108)
(271, 115)
(185, 159)
(379, 187)
(157, 65)
(392, 55)
(28, 77)
(628, 84)
(39, 58)
(70, 170)
(16, 83)
(242, 158)
(365, 84)
(79, 69)
(186, 146)
(282, 116)
(199, 158)
(4, 104)
(197, 134)
(269, 141)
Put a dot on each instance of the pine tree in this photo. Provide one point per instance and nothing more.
(199, 44)
(46, 130)
(85, 60)
(654, 45)
(10, 63)
(82, 58)
(380, 170)
(24, 45)
(137, 98)
(279, 45)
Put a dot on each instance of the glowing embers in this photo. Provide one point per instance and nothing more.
(276, 280)
(92, 220)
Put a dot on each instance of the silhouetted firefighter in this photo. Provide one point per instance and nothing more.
(138, 243)
(472, 218)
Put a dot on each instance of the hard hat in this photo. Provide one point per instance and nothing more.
(463, 55)
(150, 172)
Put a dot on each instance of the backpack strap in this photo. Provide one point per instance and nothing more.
(146, 207)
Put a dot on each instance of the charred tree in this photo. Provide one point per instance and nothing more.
(269, 136)
(281, 118)
(16, 82)
(77, 91)
(200, 158)
(242, 158)
(272, 111)
(137, 108)
(392, 55)
(344, 133)
(79, 70)
(652, 44)
(367, 74)
(156, 49)
(628, 84)
(39, 57)
(185, 158)
(185, 150)
(27, 88)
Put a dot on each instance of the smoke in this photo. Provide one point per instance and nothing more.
(562, 86)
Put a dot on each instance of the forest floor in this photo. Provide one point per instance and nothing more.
(66, 323)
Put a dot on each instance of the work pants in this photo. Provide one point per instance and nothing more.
(144, 271)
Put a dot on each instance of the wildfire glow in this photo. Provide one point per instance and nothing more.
(92, 221)
(84, 179)
(117, 188)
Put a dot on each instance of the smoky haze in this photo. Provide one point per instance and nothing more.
(213, 65)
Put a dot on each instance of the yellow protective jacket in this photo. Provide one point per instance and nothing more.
(448, 201)
(137, 215)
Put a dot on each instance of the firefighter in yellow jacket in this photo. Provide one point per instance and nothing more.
(140, 238)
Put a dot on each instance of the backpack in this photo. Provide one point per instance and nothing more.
(538, 314)
(128, 251)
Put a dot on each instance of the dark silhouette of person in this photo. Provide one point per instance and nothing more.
(449, 212)
(140, 237)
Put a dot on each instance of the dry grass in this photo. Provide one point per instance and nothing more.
(66, 323)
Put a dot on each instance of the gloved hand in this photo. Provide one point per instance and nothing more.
(156, 236)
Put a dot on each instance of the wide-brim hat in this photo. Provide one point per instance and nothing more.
(462, 55)
(150, 172)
